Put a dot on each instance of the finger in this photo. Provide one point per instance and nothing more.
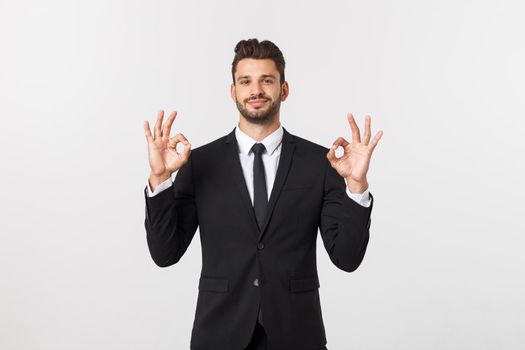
(147, 131)
(331, 155)
(185, 154)
(367, 134)
(176, 139)
(186, 151)
(341, 141)
(158, 123)
(332, 158)
(356, 137)
(167, 127)
(376, 139)
(181, 138)
(331, 152)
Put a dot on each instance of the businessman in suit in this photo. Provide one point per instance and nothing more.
(259, 195)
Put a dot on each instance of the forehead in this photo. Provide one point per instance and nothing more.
(256, 67)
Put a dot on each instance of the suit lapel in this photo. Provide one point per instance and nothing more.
(285, 159)
(234, 164)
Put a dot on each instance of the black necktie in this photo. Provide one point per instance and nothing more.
(260, 193)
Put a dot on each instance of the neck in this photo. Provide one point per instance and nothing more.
(257, 131)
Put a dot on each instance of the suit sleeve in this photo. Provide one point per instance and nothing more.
(344, 223)
(161, 187)
(171, 219)
(361, 198)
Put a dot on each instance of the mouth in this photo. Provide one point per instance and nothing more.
(258, 102)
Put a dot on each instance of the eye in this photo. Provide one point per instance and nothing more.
(244, 82)
(268, 81)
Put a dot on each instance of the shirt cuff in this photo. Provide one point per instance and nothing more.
(361, 198)
(161, 187)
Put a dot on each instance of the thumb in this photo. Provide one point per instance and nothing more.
(331, 154)
(187, 149)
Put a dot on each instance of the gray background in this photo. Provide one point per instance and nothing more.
(442, 79)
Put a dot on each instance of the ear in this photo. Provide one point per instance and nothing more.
(285, 90)
(232, 92)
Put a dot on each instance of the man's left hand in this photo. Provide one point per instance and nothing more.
(353, 164)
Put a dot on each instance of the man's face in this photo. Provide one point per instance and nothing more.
(257, 91)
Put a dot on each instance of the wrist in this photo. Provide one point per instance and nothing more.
(356, 186)
(155, 180)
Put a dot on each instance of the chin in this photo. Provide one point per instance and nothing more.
(259, 120)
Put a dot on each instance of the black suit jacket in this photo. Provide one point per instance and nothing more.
(243, 266)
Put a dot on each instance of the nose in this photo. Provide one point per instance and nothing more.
(256, 89)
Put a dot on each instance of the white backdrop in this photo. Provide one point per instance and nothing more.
(444, 80)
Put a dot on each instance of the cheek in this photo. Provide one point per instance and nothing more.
(240, 96)
(271, 93)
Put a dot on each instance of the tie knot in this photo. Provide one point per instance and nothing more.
(258, 148)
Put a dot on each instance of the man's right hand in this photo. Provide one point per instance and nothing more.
(163, 157)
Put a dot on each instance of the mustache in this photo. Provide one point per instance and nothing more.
(258, 98)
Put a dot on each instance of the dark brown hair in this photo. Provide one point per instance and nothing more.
(265, 49)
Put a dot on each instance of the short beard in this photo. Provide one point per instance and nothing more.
(260, 118)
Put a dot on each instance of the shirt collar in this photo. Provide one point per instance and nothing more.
(270, 142)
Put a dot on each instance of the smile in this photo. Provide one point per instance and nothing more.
(257, 103)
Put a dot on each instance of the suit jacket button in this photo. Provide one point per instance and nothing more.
(260, 245)
(256, 282)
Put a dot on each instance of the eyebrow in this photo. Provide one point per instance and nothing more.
(262, 76)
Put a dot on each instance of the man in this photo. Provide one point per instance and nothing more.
(259, 196)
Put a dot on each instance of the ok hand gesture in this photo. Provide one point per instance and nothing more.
(353, 164)
(162, 151)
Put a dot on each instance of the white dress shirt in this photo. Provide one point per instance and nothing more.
(270, 158)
